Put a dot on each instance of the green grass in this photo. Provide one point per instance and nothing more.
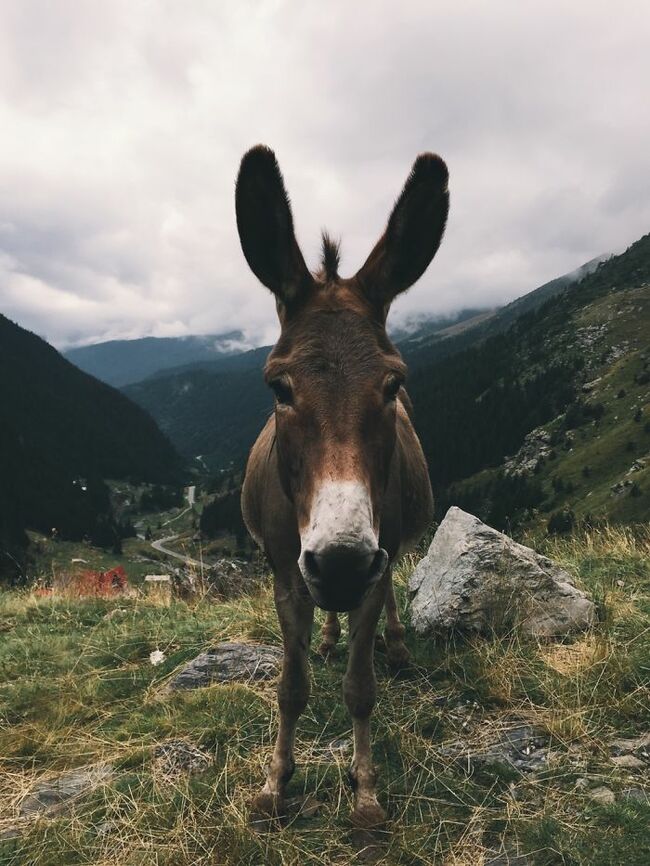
(77, 688)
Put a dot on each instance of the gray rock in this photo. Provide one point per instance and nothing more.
(632, 746)
(628, 762)
(622, 488)
(523, 748)
(52, 796)
(229, 662)
(476, 579)
(536, 446)
(603, 795)
(636, 795)
(178, 758)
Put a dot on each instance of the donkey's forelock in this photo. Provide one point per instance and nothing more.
(330, 259)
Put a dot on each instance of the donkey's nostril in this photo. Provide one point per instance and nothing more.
(311, 563)
(379, 563)
(342, 561)
(340, 576)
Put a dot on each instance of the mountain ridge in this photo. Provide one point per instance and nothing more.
(63, 433)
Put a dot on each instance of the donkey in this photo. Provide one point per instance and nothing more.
(336, 485)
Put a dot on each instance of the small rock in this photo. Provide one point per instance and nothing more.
(589, 386)
(628, 762)
(637, 795)
(157, 657)
(52, 795)
(474, 578)
(178, 757)
(523, 748)
(632, 745)
(116, 613)
(229, 662)
(603, 795)
(337, 748)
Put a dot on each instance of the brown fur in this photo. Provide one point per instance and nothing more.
(341, 414)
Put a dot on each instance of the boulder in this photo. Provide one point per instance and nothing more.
(476, 579)
(229, 662)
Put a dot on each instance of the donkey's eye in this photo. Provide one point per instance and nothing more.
(282, 390)
(391, 387)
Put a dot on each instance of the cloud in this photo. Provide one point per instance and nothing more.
(123, 125)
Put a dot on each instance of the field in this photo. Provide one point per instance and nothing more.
(78, 689)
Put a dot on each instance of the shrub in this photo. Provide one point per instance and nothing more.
(561, 522)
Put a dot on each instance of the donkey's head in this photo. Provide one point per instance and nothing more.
(335, 374)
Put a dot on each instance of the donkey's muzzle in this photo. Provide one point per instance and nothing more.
(340, 576)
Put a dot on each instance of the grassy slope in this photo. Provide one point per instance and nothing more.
(77, 688)
(609, 446)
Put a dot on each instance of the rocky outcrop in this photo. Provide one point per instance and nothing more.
(476, 579)
(536, 447)
(229, 662)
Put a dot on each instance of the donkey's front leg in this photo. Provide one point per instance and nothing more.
(296, 613)
(360, 692)
(398, 654)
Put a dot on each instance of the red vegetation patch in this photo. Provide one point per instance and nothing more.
(100, 584)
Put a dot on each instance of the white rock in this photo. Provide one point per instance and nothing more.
(474, 578)
(157, 657)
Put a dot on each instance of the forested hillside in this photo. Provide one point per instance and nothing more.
(575, 372)
(62, 433)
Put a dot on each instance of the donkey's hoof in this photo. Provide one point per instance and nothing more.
(328, 650)
(368, 815)
(266, 808)
(398, 656)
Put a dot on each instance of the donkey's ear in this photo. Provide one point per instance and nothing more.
(412, 236)
(265, 226)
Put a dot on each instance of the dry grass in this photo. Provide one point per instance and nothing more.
(78, 689)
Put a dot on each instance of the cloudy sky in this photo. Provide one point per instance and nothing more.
(123, 124)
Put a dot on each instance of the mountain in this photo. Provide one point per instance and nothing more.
(121, 362)
(62, 433)
(547, 422)
(215, 408)
(213, 415)
(425, 346)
